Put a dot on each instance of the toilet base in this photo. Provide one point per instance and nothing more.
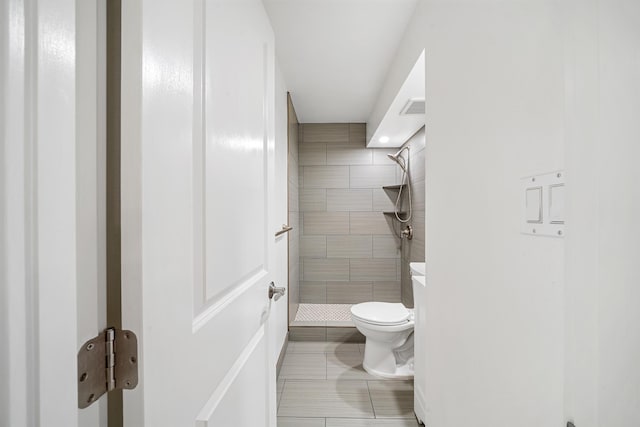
(402, 372)
(380, 360)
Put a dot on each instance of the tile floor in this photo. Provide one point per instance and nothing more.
(322, 384)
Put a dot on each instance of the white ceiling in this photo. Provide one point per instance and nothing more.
(335, 54)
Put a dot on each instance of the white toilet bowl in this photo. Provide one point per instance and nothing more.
(388, 328)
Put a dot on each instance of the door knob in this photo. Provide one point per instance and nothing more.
(275, 292)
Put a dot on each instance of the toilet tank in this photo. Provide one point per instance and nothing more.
(420, 359)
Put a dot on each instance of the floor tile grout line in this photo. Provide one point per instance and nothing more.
(373, 409)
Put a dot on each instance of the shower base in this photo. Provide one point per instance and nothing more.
(338, 315)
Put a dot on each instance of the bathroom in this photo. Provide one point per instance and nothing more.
(249, 187)
(356, 222)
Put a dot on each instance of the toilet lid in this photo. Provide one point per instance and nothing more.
(383, 313)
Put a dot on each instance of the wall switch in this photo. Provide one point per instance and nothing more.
(534, 205)
(543, 204)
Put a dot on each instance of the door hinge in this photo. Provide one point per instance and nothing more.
(107, 362)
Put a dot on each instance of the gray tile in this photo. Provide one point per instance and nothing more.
(349, 246)
(373, 176)
(340, 323)
(326, 176)
(386, 247)
(313, 246)
(325, 132)
(380, 270)
(349, 293)
(392, 399)
(345, 335)
(348, 154)
(323, 269)
(346, 366)
(312, 199)
(304, 366)
(354, 422)
(312, 154)
(418, 195)
(358, 133)
(300, 422)
(306, 333)
(380, 156)
(368, 223)
(349, 200)
(384, 200)
(387, 291)
(324, 223)
(326, 399)
(324, 347)
(313, 292)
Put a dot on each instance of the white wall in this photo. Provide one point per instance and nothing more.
(495, 103)
(278, 321)
(603, 241)
(495, 297)
(532, 331)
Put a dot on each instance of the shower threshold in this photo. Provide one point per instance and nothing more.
(338, 315)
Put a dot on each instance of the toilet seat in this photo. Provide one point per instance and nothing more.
(381, 313)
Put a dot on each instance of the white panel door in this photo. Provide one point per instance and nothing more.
(197, 237)
(51, 230)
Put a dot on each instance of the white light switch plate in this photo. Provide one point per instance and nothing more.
(543, 204)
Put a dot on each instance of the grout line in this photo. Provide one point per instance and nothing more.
(371, 400)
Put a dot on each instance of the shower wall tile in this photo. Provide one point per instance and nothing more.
(380, 156)
(349, 200)
(313, 246)
(326, 269)
(417, 161)
(341, 154)
(349, 246)
(418, 242)
(384, 200)
(349, 293)
(386, 247)
(346, 243)
(325, 176)
(325, 132)
(373, 176)
(313, 292)
(381, 270)
(293, 210)
(368, 223)
(358, 134)
(324, 223)
(313, 199)
(312, 154)
(418, 196)
(386, 291)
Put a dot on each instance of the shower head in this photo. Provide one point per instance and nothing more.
(397, 158)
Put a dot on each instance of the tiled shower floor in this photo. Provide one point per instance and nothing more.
(323, 315)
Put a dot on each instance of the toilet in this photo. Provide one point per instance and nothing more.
(388, 329)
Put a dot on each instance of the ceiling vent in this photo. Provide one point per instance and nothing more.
(413, 106)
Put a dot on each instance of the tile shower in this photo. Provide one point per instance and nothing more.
(348, 245)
